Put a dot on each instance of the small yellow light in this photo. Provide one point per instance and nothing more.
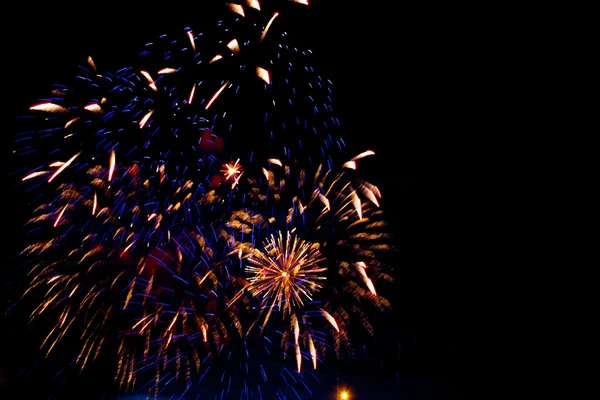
(344, 395)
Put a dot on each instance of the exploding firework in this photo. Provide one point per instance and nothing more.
(285, 277)
(312, 246)
(287, 274)
(163, 236)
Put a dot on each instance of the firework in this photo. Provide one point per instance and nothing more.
(166, 233)
(312, 242)
(285, 277)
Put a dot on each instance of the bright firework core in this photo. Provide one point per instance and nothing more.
(232, 170)
(286, 273)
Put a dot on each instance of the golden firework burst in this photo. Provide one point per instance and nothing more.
(286, 274)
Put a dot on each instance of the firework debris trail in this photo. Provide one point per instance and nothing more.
(164, 228)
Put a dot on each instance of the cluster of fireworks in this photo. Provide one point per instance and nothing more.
(166, 230)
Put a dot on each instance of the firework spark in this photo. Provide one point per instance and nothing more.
(232, 170)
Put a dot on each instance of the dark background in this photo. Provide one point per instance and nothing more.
(391, 67)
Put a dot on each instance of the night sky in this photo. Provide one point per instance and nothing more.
(385, 64)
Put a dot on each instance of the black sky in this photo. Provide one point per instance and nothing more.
(386, 63)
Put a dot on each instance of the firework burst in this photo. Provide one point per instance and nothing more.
(286, 275)
(312, 249)
(152, 242)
